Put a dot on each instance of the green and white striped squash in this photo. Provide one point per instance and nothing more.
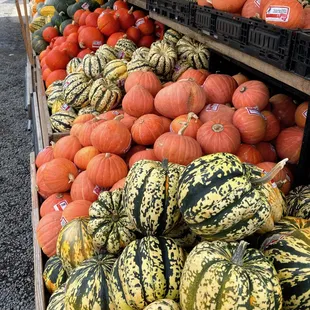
(87, 286)
(55, 96)
(287, 246)
(125, 48)
(109, 224)
(104, 95)
(140, 53)
(162, 57)
(139, 65)
(163, 304)
(220, 275)
(172, 37)
(150, 196)
(147, 270)
(74, 244)
(298, 202)
(62, 121)
(116, 71)
(73, 65)
(60, 105)
(76, 89)
(54, 275)
(106, 52)
(55, 85)
(219, 200)
(93, 65)
(194, 52)
(57, 300)
(88, 110)
(180, 67)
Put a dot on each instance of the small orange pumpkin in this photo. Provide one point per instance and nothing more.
(75, 130)
(75, 209)
(118, 184)
(301, 114)
(133, 150)
(87, 129)
(81, 119)
(54, 203)
(249, 154)
(67, 147)
(41, 187)
(84, 155)
(215, 111)
(44, 156)
(107, 24)
(267, 151)
(198, 75)
(128, 121)
(250, 9)
(273, 126)
(240, 78)
(146, 154)
(230, 6)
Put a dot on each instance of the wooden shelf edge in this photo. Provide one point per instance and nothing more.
(139, 3)
(40, 303)
(285, 77)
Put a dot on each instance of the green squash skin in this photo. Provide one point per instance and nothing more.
(62, 5)
(64, 24)
(298, 202)
(38, 44)
(91, 5)
(58, 18)
(73, 8)
(57, 300)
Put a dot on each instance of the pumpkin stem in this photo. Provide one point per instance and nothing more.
(281, 183)
(107, 155)
(183, 128)
(165, 163)
(191, 115)
(243, 89)
(131, 10)
(59, 195)
(71, 178)
(217, 127)
(52, 144)
(271, 174)
(119, 117)
(237, 258)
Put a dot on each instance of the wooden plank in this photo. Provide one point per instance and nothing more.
(43, 108)
(139, 3)
(36, 123)
(58, 135)
(37, 253)
(285, 77)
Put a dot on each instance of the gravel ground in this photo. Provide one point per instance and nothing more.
(16, 257)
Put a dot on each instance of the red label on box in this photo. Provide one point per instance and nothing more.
(60, 206)
(277, 14)
(212, 107)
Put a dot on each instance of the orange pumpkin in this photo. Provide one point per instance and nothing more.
(145, 25)
(46, 73)
(133, 150)
(204, 3)
(272, 125)
(166, 122)
(82, 19)
(77, 15)
(72, 28)
(84, 52)
(49, 33)
(73, 38)
(177, 148)
(288, 144)
(231, 6)
(87, 129)
(194, 123)
(250, 9)
(146, 41)
(47, 232)
(253, 94)
(307, 18)
(83, 189)
(55, 202)
(57, 59)
(148, 80)
(91, 19)
(75, 209)
(41, 187)
(284, 108)
(84, 155)
(251, 125)
(81, 119)
(198, 75)
(71, 49)
(249, 154)
(118, 184)
(219, 88)
(218, 136)
(106, 169)
(267, 151)
(111, 137)
(240, 78)
(107, 24)
(113, 38)
(120, 4)
(67, 147)
(301, 114)
(216, 111)
(138, 14)
(292, 18)
(180, 98)
(147, 128)
(59, 174)
(128, 121)
(55, 76)
(75, 130)
(107, 116)
(44, 156)
(133, 34)
(90, 37)
(126, 18)
(138, 101)
(146, 154)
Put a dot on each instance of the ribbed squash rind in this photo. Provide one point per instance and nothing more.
(73, 65)
(140, 53)
(116, 71)
(163, 304)
(62, 121)
(298, 202)
(57, 300)
(172, 37)
(93, 65)
(125, 49)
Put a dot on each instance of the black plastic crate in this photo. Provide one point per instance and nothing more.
(300, 61)
(180, 11)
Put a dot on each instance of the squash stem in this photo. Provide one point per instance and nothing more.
(119, 117)
(191, 115)
(271, 174)
(183, 128)
(71, 178)
(237, 258)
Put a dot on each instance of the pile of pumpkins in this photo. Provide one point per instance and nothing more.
(290, 14)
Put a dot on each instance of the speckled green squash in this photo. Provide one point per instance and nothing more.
(298, 202)
(57, 300)
(116, 71)
(163, 304)
(62, 121)
(109, 224)
(106, 53)
(54, 275)
(140, 53)
(93, 65)
(55, 85)
(229, 276)
(88, 110)
(150, 196)
(218, 200)
(148, 269)
(125, 49)
(288, 247)
(139, 65)
(104, 95)
(74, 244)
(55, 96)
(73, 65)
(172, 37)
(87, 286)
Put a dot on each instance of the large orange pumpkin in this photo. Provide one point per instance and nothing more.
(67, 147)
(273, 125)
(55, 202)
(83, 118)
(118, 184)
(87, 129)
(301, 114)
(145, 25)
(250, 9)
(148, 80)
(177, 148)
(128, 121)
(111, 137)
(251, 125)
(291, 17)
(146, 154)
(138, 101)
(57, 59)
(41, 187)
(231, 6)
(83, 189)
(194, 123)
(240, 78)
(47, 232)
(75, 209)
(126, 18)
(218, 136)
(249, 154)
(267, 151)
(253, 94)
(133, 150)
(55, 76)
(198, 75)
(106, 169)
(91, 19)
(90, 37)
(180, 98)
(84, 155)
(147, 128)
(288, 144)
(219, 88)
(44, 156)
(75, 130)
(215, 111)
(133, 34)
(107, 24)
(49, 33)
(113, 38)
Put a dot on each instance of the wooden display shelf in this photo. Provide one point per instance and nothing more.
(139, 3)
